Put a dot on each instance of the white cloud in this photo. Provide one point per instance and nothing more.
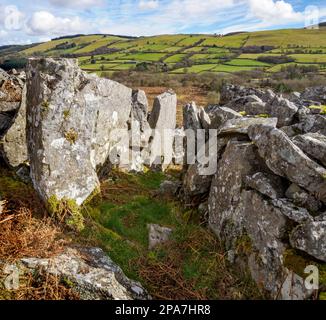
(80, 4)
(148, 4)
(272, 12)
(3, 33)
(45, 23)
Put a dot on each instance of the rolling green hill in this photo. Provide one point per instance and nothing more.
(265, 50)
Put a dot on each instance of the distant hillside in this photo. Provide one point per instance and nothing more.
(266, 50)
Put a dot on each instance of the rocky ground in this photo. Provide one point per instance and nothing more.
(247, 230)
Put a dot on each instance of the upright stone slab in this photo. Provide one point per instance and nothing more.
(71, 120)
(163, 120)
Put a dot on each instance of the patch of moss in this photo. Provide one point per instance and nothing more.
(45, 108)
(263, 115)
(243, 113)
(67, 211)
(71, 136)
(66, 114)
(322, 109)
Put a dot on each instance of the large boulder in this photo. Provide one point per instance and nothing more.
(13, 146)
(11, 90)
(219, 115)
(191, 117)
(163, 120)
(267, 184)
(278, 107)
(315, 94)
(140, 129)
(313, 124)
(312, 144)
(72, 117)
(239, 160)
(242, 125)
(94, 276)
(285, 159)
(197, 180)
(311, 238)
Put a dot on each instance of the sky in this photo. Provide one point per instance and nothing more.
(24, 22)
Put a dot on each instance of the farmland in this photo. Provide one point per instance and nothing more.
(184, 53)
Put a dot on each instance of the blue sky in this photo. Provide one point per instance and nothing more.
(34, 21)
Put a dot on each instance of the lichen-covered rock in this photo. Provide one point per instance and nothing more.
(163, 120)
(93, 274)
(239, 160)
(250, 105)
(140, 130)
(197, 180)
(311, 238)
(13, 143)
(315, 94)
(157, 235)
(285, 159)
(242, 125)
(232, 92)
(291, 211)
(11, 89)
(219, 115)
(302, 198)
(312, 144)
(191, 117)
(282, 109)
(313, 124)
(204, 118)
(266, 184)
(72, 117)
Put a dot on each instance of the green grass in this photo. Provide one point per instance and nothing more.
(309, 58)
(145, 56)
(175, 58)
(279, 67)
(104, 42)
(196, 68)
(235, 41)
(289, 37)
(227, 68)
(247, 63)
(117, 221)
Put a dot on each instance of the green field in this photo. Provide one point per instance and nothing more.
(213, 53)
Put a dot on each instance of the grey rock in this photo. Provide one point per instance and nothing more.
(191, 117)
(285, 159)
(219, 115)
(242, 125)
(239, 160)
(13, 147)
(312, 144)
(11, 89)
(315, 94)
(95, 275)
(204, 118)
(140, 130)
(311, 238)
(302, 198)
(163, 120)
(251, 105)
(158, 235)
(294, 288)
(72, 118)
(266, 184)
(232, 92)
(169, 188)
(197, 180)
(283, 109)
(291, 211)
(313, 124)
